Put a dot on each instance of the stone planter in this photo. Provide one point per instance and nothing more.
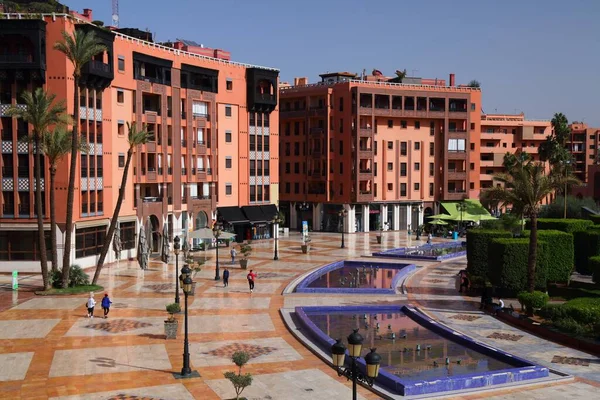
(244, 264)
(378, 239)
(304, 248)
(171, 329)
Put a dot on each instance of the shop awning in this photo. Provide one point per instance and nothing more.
(270, 211)
(233, 215)
(254, 214)
(473, 211)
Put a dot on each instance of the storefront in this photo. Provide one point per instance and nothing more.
(233, 220)
(375, 217)
(331, 221)
(258, 227)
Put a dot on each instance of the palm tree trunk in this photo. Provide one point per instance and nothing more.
(66, 264)
(38, 210)
(53, 219)
(115, 218)
(531, 261)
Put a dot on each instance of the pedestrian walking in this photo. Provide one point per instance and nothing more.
(90, 304)
(233, 254)
(106, 305)
(429, 237)
(251, 277)
(226, 278)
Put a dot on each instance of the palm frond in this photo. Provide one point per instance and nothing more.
(79, 48)
(137, 136)
(40, 110)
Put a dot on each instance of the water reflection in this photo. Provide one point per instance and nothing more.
(352, 276)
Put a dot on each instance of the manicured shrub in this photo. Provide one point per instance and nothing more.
(77, 277)
(587, 244)
(478, 241)
(508, 265)
(553, 312)
(533, 300)
(585, 310)
(561, 253)
(569, 325)
(564, 225)
(594, 266)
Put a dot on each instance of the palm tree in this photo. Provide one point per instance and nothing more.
(41, 112)
(526, 185)
(56, 146)
(79, 49)
(135, 137)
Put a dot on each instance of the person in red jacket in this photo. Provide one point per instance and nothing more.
(251, 277)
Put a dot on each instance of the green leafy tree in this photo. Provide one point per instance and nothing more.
(554, 148)
(474, 84)
(239, 381)
(56, 146)
(79, 48)
(135, 138)
(525, 186)
(41, 112)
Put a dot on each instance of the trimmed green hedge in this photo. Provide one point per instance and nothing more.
(508, 266)
(478, 241)
(595, 219)
(594, 265)
(564, 225)
(561, 253)
(587, 244)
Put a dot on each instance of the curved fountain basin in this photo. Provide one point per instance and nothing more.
(426, 252)
(340, 277)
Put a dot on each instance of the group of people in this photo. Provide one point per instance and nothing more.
(251, 277)
(464, 283)
(91, 303)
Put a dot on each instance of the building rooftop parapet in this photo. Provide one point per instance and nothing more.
(291, 89)
(145, 43)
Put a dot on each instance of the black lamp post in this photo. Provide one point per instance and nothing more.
(186, 279)
(176, 248)
(216, 233)
(342, 214)
(276, 222)
(338, 355)
(461, 207)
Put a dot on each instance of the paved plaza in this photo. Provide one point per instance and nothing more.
(48, 349)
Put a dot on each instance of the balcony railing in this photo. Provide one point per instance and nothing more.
(209, 170)
(23, 172)
(184, 143)
(7, 172)
(183, 171)
(170, 171)
(16, 58)
(150, 199)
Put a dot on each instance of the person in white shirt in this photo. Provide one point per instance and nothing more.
(90, 304)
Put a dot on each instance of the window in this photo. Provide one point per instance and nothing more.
(403, 124)
(229, 84)
(227, 136)
(296, 128)
(121, 63)
(403, 169)
(431, 149)
(228, 162)
(390, 187)
(417, 185)
(341, 148)
(297, 149)
(431, 169)
(402, 148)
(473, 106)
(341, 168)
(390, 166)
(417, 166)
(457, 145)
(471, 185)
(99, 170)
(228, 189)
(472, 126)
(253, 143)
(403, 189)
(417, 124)
(89, 241)
(21, 246)
(341, 125)
(417, 145)
(297, 168)
(287, 187)
(472, 166)
(228, 111)
(199, 108)
(431, 189)
(390, 123)
(121, 160)
(296, 187)
(120, 96)
(473, 146)
(432, 128)
(120, 128)
(390, 145)
(287, 167)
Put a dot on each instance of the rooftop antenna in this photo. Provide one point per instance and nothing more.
(115, 13)
(413, 72)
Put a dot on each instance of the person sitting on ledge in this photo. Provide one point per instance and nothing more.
(498, 306)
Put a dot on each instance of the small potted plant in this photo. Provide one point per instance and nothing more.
(305, 244)
(239, 381)
(379, 233)
(245, 251)
(171, 324)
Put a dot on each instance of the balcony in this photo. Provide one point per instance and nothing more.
(292, 113)
(455, 194)
(316, 154)
(316, 131)
(457, 175)
(365, 132)
(151, 199)
(365, 154)
(183, 171)
(364, 196)
(365, 174)
(457, 155)
(317, 111)
(183, 143)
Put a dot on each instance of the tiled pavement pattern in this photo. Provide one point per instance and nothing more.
(48, 349)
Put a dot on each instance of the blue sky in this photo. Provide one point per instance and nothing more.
(538, 57)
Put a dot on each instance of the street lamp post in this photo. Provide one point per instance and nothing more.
(186, 371)
(176, 248)
(342, 214)
(338, 355)
(216, 233)
(462, 207)
(276, 222)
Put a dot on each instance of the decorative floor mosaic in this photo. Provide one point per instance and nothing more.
(571, 361)
(465, 317)
(505, 336)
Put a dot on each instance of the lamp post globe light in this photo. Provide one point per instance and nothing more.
(342, 214)
(217, 233)
(338, 355)
(276, 222)
(176, 248)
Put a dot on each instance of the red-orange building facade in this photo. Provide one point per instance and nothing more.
(386, 152)
(213, 149)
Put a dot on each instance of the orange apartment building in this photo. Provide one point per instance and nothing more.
(213, 155)
(386, 152)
